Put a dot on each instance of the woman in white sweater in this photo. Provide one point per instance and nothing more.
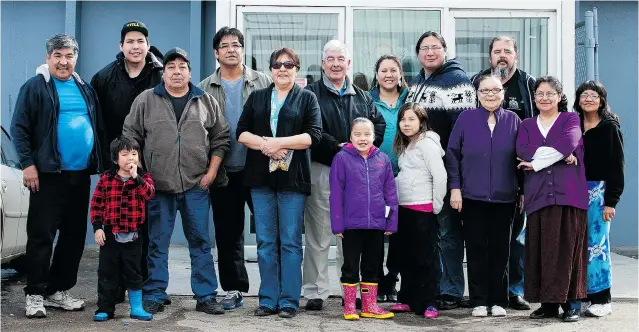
(421, 186)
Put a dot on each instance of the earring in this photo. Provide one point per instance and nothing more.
(399, 82)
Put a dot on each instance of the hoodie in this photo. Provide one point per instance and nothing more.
(34, 126)
(390, 117)
(604, 158)
(422, 175)
(361, 189)
(444, 94)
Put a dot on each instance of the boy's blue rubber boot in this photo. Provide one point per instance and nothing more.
(101, 317)
(137, 311)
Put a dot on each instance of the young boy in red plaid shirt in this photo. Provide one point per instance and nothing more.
(117, 208)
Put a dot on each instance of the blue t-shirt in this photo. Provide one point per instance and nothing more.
(233, 106)
(75, 133)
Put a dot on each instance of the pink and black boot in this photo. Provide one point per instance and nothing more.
(370, 309)
(350, 296)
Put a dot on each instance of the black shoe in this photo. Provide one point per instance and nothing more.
(287, 313)
(152, 307)
(465, 303)
(315, 305)
(392, 297)
(264, 311)
(448, 302)
(358, 304)
(518, 303)
(572, 315)
(210, 306)
(543, 313)
(167, 301)
(120, 295)
(381, 298)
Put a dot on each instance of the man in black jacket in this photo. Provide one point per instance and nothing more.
(59, 136)
(519, 95)
(340, 103)
(136, 68)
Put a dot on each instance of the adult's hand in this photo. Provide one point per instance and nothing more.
(571, 160)
(456, 199)
(30, 178)
(271, 146)
(207, 179)
(279, 154)
(608, 213)
(526, 165)
(521, 204)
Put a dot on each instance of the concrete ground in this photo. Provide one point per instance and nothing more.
(181, 315)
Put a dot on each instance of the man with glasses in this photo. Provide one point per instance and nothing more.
(519, 98)
(340, 103)
(230, 85)
(444, 89)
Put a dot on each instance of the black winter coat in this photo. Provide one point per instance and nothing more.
(116, 90)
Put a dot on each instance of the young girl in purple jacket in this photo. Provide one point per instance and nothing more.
(363, 204)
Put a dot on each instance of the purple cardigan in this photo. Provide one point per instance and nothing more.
(360, 191)
(560, 183)
(480, 163)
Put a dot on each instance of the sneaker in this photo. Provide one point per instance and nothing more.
(400, 307)
(431, 312)
(315, 304)
(287, 312)
(35, 307)
(210, 306)
(480, 311)
(497, 311)
(599, 310)
(62, 299)
(264, 311)
(232, 300)
(152, 307)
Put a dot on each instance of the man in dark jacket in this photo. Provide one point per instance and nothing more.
(136, 68)
(444, 89)
(59, 136)
(340, 103)
(519, 98)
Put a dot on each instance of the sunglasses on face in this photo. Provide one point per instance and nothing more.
(278, 65)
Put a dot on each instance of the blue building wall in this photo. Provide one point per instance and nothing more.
(618, 72)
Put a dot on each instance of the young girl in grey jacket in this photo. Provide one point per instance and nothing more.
(421, 186)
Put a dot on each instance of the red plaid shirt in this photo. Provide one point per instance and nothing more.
(120, 204)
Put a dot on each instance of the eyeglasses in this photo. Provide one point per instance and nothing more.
(489, 91)
(432, 48)
(549, 94)
(585, 96)
(233, 47)
(278, 65)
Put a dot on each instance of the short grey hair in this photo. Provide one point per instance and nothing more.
(62, 41)
(335, 46)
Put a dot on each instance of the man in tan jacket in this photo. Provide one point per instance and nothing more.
(184, 138)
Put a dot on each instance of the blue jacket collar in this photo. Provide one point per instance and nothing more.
(194, 91)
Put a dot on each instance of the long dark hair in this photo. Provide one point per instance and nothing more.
(604, 109)
(402, 81)
(556, 85)
(402, 141)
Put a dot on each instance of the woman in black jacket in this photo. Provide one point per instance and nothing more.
(279, 124)
(604, 163)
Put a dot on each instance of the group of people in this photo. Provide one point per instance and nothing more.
(495, 161)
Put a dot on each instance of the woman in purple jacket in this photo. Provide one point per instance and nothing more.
(363, 205)
(552, 153)
(482, 172)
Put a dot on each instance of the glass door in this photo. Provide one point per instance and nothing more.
(304, 29)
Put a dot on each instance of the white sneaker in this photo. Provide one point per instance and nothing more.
(480, 311)
(35, 307)
(599, 310)
(62, 299)
(497, 311)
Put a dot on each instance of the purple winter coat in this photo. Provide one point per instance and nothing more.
(360, 191)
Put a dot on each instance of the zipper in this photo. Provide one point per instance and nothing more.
(54, 132)
(368, 188)
(490, 164)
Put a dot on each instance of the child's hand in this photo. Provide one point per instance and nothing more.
(100, 237)
(388, 233)
(340, 235)
(133, 170)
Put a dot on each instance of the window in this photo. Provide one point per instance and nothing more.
(305, 33)
(9, 154)
(377, 32)
(473, 36)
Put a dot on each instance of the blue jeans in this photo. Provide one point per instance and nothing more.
(279, 216)
(516, 275)
(452, 251)
(193, 205)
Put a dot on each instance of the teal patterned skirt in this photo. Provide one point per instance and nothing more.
(599, 274)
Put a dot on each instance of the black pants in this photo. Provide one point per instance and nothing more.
(364, 244)
(228, 217)
(516, 270)
(392, 264)
(118, 261)
(143, 233)
(418, 236)
(487, 231)
(61, 204)
(602, 297)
